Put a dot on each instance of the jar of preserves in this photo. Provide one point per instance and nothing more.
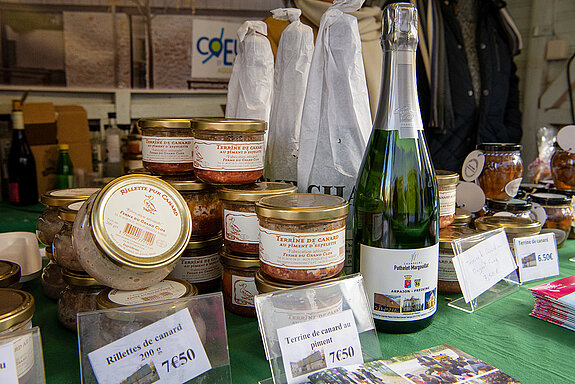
(130, 234)
(78, 296)
(502, 171)
(200, 263)
(64, 253)
(447, 282)
(302, 236)
(229, 151)
(52, 281)
(167, 146)
(238, 283)
(204, 205)
(514, 226)
(462, 218)
(49, 223)
(513, 207)
(241, 230)
(559, 211)
(446, 185)
(563, 169)
(571, 195)
(10, 274)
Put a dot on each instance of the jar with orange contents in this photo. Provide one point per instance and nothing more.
(502, 171)
(563, 169)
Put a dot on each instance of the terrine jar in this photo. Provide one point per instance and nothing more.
(238, 283)
(462, 218)
(502, 171)
(78, 296)
(203, 203)
(559, 210)
(447, 278)
(64, 253)
(447, 185)
(563, 169)
(167, 146)
(228, 151)
(241, 229)
(302, 236)
(130, 234)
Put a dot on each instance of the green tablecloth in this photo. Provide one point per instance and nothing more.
(502, 334)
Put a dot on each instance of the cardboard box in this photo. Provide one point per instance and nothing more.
(40, 123)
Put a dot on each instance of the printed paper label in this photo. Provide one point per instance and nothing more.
(164, 290)
(24, 353)
(302, 250)
(8, 373)
(446, 271)
(167, 351)
(536, 257)
(167, 149)
(315, 345)
(447, 202)
(243, 291)
(401, 284)
(241, 227)
(228, 155)
(513, 187)
(198, 269)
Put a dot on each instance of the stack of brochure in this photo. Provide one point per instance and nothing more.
(555, 302)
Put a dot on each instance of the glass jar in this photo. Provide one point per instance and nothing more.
(238, 283)
(200, 263)
(134, 144)
(167, 146)
(49, 223)
(446, 184)
(78, 296)
(10, 274)
(203, 203)
(515, 227)
(132, 161)
(513, 207)
(462, 218)
(241, 230)
(130, 234)
(559, 210)
(447, 282)
(571, 195)
(64, 253)
(229, 151)
(52, 281)
(502, 171)
(563, 169)
(302, 236)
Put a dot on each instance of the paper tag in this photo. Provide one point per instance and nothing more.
(473, 165)
(536, 257)
(8, 373)
(539, 213)
(566, 138)
(482, 266)
(315, 345)
(470, 196)
(167, 351)
(513, 187)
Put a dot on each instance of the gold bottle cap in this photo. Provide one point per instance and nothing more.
(15, 307)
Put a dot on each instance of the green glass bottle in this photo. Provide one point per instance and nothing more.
(395, 212)
(64, 167)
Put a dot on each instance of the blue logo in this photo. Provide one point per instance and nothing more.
(216, 46)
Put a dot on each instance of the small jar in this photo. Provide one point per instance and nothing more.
(10, 274)
(241, 230)
(238, 283)
(446, 184)
(559, 210)
(134, 144)
(49, 223)
(563, 169)
(200, 263)
(515, 227)
(167, 146)
(447, 282)
(132, 161)
(302, 236)
(130, 234)
(204, 205)
(571, 195)
(462, 218)
(513, 207)
(229, 151)
(64, 253)
(52, 281)
(502, 171)
(78, 296)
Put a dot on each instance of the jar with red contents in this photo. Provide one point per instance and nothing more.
(502, 171)
(563, 169)
(238, 283)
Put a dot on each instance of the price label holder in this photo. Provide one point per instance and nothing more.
(485, 268)
(308, 329)
(175, 341)
(536, 256)
(21, 359)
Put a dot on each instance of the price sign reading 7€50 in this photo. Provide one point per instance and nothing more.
(167, 351)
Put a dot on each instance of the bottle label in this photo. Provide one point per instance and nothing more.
(447, 202)
(228, 155)
(401, 284)
(164, 290)
(243, 291)
(198, 269)
(241, 227)
(446, 270)
(113, 148)
(513, 187)
(14, 192)
(167, 149)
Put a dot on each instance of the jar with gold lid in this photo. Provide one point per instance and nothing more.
(238, 283)
(502, 170)
(10, 274)
(563, 169)
(559, 211)
(64, 253)
(512, 207)
(462, 218)
(447, 282)
(515, 227)
(78, 296)
(446, 185)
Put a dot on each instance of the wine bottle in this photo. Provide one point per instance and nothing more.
(113, 166)
(22, 183)
(395, 212)
(64, 167)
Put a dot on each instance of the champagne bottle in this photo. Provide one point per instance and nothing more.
(395, 218)
(64, 167)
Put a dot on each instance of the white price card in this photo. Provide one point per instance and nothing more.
(326, 342)
(8, 373)
(167, 351)
(537, 257)
(483, 265)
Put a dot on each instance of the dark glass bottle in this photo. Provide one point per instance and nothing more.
(22, 183)
(64, 167)
(395, 218)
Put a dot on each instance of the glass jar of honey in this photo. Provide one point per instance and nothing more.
(563, 169)
(502, 171)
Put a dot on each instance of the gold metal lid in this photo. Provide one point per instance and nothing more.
(445, 178)
(233, 125)
(140, 192)
(63, 197)
(164, 123)
(205, 241)
(238, 261)
(302, 207)
(16, 306)
(253, 192)
(69, 212)
(79, 279)
(512, 224)
(265, 284)
(448, 234)
(462, 217)
(10, 273)
(188, 185)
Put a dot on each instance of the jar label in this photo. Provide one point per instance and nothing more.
(401, 284)
(198, 269)
(446, 270)
(447, 202)
(302, 250)
(241, 227)
(167, 149)
(228, 155)
(513, 187)
(24, 351)
(243, 291)
(164, 290)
